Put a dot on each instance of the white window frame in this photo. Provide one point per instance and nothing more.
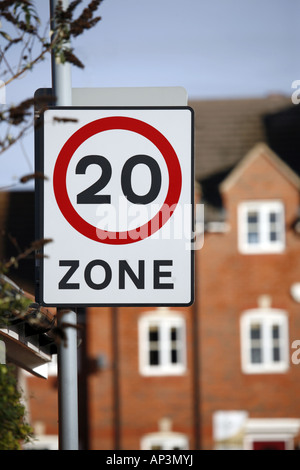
(164, 322)
(165, 441)
(265, 245)
(266, 318)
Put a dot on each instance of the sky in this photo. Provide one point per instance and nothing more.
(215, 49)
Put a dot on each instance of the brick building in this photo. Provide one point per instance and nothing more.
(248, 319)
(223, 373)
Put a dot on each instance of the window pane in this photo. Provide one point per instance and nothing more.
(276, 354)
(275, 331)
(256, 355)
(175, 344)
(253, 238)
(255, 338)
(153, 335)
(276, 346)
(274, 236)
(274, 219)
(174, 356)
(255, 332)
(252, 217)
(174, 334)
(253, 232)
(153, 358)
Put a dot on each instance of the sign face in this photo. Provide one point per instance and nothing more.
(117, 204)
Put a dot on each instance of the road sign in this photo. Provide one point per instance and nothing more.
(117, 203)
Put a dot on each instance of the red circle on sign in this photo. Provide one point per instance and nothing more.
(60, 180)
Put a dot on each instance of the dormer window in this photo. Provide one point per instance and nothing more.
(261, 227)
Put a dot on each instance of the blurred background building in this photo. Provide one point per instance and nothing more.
(223, 373)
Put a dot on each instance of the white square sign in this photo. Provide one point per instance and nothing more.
(117, 204)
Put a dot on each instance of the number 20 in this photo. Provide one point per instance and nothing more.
(90, 196)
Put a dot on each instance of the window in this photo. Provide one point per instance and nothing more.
(264, 341)
(164, 441)
(261, 227)
(162, 344)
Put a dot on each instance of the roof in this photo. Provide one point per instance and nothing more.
(259, 150)
(225, 131)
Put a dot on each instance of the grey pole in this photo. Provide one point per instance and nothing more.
(67, 319)
(68, 385)
(61, 73)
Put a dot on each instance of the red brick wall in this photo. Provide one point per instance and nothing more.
(143, 401)
(100, 391)
(230, 283)
(43, 403)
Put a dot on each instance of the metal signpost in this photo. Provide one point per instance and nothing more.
(118, 203)
(67, 319)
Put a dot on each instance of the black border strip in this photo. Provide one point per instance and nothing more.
(39, 207)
